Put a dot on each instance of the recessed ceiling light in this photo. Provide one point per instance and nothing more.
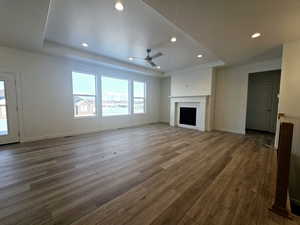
(130, 58)
(84, 44)
(199, 56)
(157, 67)
(256, 35)
(173, 39)
(119, 6)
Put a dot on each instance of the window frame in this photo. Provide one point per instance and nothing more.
(6, 109)
(145, 97)
(128, 95)
(86, 95)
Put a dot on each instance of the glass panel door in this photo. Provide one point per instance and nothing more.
(3, 113)
(9, 129)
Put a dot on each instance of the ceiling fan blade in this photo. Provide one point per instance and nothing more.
(138, 58)
(152, 63)
(159, 54)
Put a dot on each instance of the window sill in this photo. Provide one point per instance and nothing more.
(85, 117)
(105, 116)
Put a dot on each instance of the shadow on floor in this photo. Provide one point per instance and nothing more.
(262, 137)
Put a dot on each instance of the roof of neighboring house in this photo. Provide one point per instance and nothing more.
(79, 100)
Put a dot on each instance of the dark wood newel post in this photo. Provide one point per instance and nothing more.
(283, 169)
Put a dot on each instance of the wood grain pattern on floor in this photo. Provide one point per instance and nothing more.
(149, 175)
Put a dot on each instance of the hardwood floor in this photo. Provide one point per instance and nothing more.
(150, 175)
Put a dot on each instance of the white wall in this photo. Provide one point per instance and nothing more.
(231, 94)
(165, 92)
(193, 81)
(211, 103)
(289, 104)
(46, 95)
(196, 81)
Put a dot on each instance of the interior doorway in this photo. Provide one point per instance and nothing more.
(262, 104)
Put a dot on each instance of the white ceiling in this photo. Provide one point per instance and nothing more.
(122, 34)
(23, 23)
(218, 29)
(225, 26)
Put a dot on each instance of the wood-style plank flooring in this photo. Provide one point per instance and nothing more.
(150, 175)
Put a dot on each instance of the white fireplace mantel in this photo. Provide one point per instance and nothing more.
(189, 96)
(199, 101)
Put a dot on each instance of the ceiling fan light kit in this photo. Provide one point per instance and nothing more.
(149, 58)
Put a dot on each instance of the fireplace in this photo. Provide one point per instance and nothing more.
(187, 116)
(189, 112)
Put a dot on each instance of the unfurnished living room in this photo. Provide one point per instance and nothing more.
(149, 112)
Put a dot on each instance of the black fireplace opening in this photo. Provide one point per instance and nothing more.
(188, 116)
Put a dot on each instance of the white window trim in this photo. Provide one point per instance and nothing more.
(129, 97)
(145, 97)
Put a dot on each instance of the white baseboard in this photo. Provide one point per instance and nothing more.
(57, 135)
(164, 122)
(230, 131)
(72, 133)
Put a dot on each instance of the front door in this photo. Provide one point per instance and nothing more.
(9, 129)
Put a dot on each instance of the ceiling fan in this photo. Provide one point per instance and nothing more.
(149, 58)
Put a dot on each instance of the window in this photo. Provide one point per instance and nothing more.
(84, 94)
(115, 100)
(139, 92)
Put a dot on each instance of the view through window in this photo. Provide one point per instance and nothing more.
(3, 116)
(115, 100)
(84, 94)
(139, 97)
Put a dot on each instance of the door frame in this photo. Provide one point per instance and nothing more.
(17, 78)
(246, 108)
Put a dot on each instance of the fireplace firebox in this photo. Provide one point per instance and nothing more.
(187, 116)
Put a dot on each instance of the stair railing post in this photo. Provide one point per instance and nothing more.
(283, 168)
